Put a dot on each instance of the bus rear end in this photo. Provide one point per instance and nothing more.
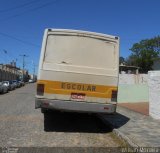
(78, 71)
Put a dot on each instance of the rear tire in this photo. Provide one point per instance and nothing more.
(44, 110)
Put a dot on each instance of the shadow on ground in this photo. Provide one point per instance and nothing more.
(74, 122)
(115, 121)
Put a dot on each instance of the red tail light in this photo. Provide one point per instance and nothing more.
(40, 89)
(114, 95)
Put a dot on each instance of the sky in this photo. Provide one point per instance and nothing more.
(22, 23)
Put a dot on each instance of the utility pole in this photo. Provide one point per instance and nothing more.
(34, 68)
(23, 65)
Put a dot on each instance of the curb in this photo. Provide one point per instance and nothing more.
(125, 139)
(117, 132)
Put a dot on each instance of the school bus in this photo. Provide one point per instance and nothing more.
(78, 71)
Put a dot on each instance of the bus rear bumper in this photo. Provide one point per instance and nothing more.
(75, 106)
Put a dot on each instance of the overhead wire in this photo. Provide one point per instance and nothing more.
(29, 10)
(18, 6)
(19, 14)
(33, 9)
(22, 41)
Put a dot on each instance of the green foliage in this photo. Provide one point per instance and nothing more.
(144, 53)
(121, 60)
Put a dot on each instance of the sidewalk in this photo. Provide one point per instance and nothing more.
(142, 107)
(136, 129)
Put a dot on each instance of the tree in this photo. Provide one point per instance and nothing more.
(144, 53)
(121, 60)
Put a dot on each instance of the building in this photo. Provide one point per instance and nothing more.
(24, 75)
(9, 72)
(128, 69)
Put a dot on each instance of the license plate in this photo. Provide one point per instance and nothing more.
(77, 96)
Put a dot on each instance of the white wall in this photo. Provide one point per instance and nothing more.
(133, 78)
(133, 88)
(154, 93)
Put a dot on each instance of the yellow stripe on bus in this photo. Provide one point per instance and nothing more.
(66, 88)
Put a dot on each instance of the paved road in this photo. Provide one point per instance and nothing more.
(23, 126)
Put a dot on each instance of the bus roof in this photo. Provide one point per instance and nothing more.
(81, 32)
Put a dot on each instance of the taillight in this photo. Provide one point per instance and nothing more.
(114, 95)
(40, 89)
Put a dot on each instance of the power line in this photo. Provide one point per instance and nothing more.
(10, 55)
(18, 6)
(22, 41)
(29, 10)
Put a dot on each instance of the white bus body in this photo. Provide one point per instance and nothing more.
(78, 71)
